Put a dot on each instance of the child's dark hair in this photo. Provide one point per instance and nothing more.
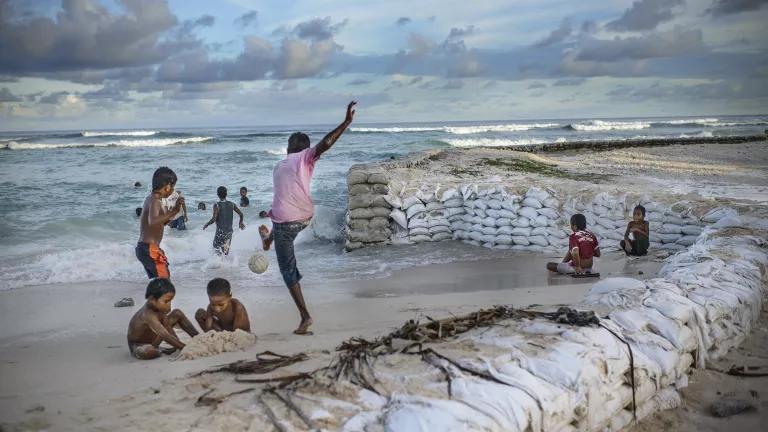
(243, 189)
(221, 192)
(138, 211)
(297, 142)
(641, 208)
(579, 221)
(219, 286)
(157, 287)
(163, 176)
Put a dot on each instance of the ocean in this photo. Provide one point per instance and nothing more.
(69, 197)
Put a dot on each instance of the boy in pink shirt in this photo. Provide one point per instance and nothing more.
(292, 207)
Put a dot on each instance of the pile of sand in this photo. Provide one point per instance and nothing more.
(213, 342)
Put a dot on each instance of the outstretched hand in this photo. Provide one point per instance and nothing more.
(350, 112)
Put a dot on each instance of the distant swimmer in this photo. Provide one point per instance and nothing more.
(180, 223)
(263, 214)
(137, 185)
(292, 207)
(138, 211)
(153, 220)
(244, 201)
(201, 205)
(222, 216)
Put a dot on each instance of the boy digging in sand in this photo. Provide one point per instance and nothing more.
(582, 246)
(292, 207)
(154, 322)
(153, 219)
(224, 312)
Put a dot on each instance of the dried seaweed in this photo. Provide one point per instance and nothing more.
(266, 361)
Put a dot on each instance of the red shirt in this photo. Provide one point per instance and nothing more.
(585, 241)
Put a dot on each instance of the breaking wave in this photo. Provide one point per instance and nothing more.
(90, 134)
(161, 142)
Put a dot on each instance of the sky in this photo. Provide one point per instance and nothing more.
(183, 63)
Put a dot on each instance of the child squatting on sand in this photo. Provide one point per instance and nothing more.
(639, 229)
(154, 322)
(582, 246)
(153, 219)
(224, 312)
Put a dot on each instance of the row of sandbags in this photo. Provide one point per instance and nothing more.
(538, 375)
(368, 208)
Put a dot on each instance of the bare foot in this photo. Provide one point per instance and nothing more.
(304, 327)
(266, 241)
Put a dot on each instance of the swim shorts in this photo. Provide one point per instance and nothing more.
(285, 234)
(222, 241)
(153, 259)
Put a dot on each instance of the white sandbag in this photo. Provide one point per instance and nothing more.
(418, 231)
(510, 205)
(434, 205)
(489, 221)
(450, 212)
(477, 220)
(488, 238)
(520, 231)
(551, 202)
(538, 240)
(472, 242)
(488, 230)
(509, 214)
(441, 236)
(531, 202)
(600, 210)
(468, 191)
(528, 212)
(456, 226)
(540, 221)
(522, 222)
(666, 238)
(605, 223)
(520, 240)
(503, 222)
(675, 220)
(494, 204)
(476, 236)
(539, 231)
(410, 201)
(507, 230)
(433, 222)
(419, 238)
(670, 229)
(716, 214)
(398, 216)
(452, 203)
(394, 201)
(480, 204)
(415, 210)
(450, 194)
(469, 210)
(503, 240)
(654, 217)
(549, 213)
(460, 235)
(672, 247)
(557, 232)
(687, 240)
(480, 212)
(537, 194)
(492, 213)
(691, 230)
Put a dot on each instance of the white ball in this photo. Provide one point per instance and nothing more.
(258, 263)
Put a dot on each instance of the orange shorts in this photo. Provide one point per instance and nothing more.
(153, 259)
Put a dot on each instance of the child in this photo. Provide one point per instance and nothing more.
(180, 222)
(138, 211)
(201, 205)
(154, 322)
(153, 219)
(224, 312)
(582, 246)
(639, 229)
(244, 201)
(222, 215)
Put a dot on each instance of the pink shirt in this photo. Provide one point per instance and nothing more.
(291, 199)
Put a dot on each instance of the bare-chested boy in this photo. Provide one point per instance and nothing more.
(154, 322)
(224, 312)
(153, 220)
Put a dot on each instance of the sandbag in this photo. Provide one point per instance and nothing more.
(539, 231)
(538, 240)
(503, 222)
(356, 177)
(378, 178)
(488, 238)
(394, 201)
(452, 203)
(367, 200)
(528, 212)
(469, 210)
(503, 240)
(361, 213)
(439, 229)
(557, 232)
(414, 210)
(359, 189)
(494, 204)
(378, 222)
(476, 236)
(358, 224)
(480, 212)
(420, 238)
(551, 202)
(509, 205)
(670, 229)
(504, 213)
(693, 230)
(489, 230)
(718, 213)
(520, 231)
(532, 202)
(492, 213)
(506, 230)
(434, 205)
(537, 194)
(489, 221)
(418, 231)
(411, 201)
(520, 240)
(549, 213)
(666, 238)
(432, 222)
(418, 221)
(480, 204)
(441, 236)
(370, 235)
(449, 212)
(450, 194)
(687, 240)
(521, 221)
(540, 221)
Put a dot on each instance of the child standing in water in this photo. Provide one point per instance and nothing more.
(222, 215)
(153, 219)
(154, 322)
(244, 201)
(639, 229)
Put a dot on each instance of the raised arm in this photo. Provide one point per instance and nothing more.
(325, 144)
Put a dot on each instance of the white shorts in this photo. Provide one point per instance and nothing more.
(567, 268)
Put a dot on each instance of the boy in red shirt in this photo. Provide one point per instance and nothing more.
(582, 247)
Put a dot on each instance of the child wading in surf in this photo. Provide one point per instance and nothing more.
(292, 207)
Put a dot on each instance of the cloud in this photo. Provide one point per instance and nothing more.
(569, 82)
(247, 19)
(536, 85)
(645, 15)
(556, 36)
(359, 81)
(675, 42)
(727, 7)
(318, 29)
(299, 59)
(53, 98)
(720, 90)
(85, 35)
(7, 96)
(403, 21)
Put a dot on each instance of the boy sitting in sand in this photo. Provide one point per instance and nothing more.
(582, 246)
(639, 229)
(153, 219)
(222, 215)
(224, 312)
(154, 322)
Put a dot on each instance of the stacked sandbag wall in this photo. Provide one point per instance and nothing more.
(368, 209)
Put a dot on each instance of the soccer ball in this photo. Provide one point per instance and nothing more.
(258, 263)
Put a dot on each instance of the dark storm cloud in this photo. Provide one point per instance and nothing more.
(247, 18)
(84, 35)
(318, 29)
(727, 7)
(7, 96)
(557, 35)
(645, 15)
(403, 21)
